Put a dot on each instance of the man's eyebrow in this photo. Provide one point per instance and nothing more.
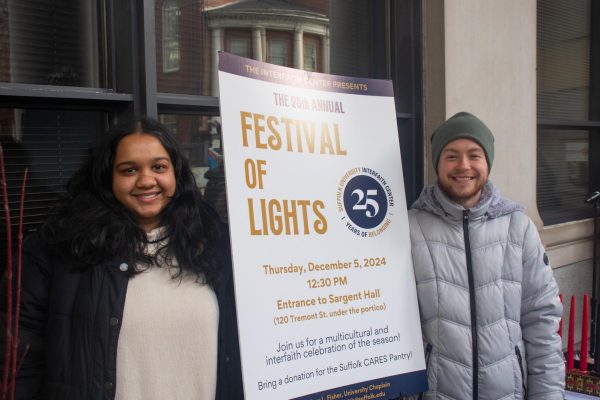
(469, 150)
(449, 150)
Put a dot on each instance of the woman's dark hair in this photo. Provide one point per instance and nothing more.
(91, 226)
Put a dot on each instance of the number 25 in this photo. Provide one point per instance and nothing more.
(367, 201)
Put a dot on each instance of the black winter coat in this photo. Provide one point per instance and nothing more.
(71, 320)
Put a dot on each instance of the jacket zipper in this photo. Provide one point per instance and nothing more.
(520, 358)
(428, 349)
(472, 303)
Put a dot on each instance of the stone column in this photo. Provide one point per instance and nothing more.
(257, 52)
(325, 52)
(218, 44)
(298, 48)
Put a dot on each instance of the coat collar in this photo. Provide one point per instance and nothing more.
(490, 205)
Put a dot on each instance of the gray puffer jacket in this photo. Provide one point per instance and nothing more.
(488, 300)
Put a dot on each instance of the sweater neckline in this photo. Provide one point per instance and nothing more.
(157, 234)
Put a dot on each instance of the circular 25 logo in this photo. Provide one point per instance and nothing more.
(365, 199)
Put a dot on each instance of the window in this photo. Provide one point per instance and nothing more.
(566, 124)
(278, 52)
(171, 39)
(69, 70)
(169, 121)
(49, 43)
(238, 42)
(54, 100)
(51, 144)
(195, 135)
(240, 47)
(182, 46)
(310, 57)
(311, 46)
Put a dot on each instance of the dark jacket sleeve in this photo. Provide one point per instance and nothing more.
(229, 374)
(33, 318)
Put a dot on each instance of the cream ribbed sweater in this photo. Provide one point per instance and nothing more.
(167, 345)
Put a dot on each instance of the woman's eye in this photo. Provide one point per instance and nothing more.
(160, 167)
(128, 171)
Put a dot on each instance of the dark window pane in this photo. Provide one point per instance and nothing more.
(563, 96)
(200, 139)
(52, 145)
(353, 41)
(563, 59)
(562, 175)
(278, 53)
(50, 42)
(196, 135)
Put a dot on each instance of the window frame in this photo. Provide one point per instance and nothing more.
(287, 40)
(591, 125)
(315, 42)
(239, 34)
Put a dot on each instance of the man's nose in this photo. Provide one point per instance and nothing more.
(464, 162)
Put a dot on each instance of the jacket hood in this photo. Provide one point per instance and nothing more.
(492, 204)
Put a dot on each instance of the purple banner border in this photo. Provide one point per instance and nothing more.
(298, 78)
(390, 387)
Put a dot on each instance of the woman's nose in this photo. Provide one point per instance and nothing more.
(146, 180)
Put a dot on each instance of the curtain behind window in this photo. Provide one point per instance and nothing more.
(49, 42)
(52, 145)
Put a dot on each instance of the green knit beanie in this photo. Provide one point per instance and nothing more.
(462, 126)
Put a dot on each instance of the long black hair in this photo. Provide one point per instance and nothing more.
(91, 226)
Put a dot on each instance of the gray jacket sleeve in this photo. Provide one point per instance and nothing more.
(541, 311)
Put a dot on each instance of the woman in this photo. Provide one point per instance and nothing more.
(120, 286)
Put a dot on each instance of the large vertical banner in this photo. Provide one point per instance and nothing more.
(325, 292)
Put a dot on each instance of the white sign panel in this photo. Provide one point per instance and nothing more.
(325, 292)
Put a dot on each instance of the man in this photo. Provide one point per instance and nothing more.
(487, 297)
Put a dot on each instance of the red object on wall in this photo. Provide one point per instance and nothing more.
(571, 337)
(584, 336)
